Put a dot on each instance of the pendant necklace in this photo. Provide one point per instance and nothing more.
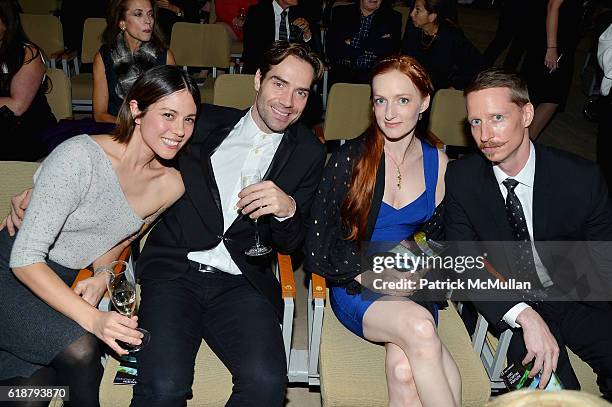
(399, 174)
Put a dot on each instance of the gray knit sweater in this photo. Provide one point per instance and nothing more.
(78, 210)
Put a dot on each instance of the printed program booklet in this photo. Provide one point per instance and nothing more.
(127, 372)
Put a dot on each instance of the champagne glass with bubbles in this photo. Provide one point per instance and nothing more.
(122, 291)
(250, 177)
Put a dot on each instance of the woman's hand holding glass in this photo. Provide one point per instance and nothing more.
(121, 284)
(111, 327)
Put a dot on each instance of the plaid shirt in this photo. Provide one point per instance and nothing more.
(367, 58)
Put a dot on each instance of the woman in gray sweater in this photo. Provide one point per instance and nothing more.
(91, 198)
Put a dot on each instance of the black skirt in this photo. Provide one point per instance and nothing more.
(31, 332)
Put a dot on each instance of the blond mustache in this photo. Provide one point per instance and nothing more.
(481, 146)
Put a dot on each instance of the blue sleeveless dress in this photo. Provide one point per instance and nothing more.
(392, 225)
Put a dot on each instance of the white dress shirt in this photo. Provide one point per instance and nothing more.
(524, 192)
(277, 19)
(604, 56)
(246, 148)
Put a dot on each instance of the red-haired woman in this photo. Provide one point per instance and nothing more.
(382, 187)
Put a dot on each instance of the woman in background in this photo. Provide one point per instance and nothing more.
(549, 64)
(132, 44)
(382, 187)
(232, 13)
(24, 111)
(440, 46)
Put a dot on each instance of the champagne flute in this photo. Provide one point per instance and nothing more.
(250, 177)
(122, 290)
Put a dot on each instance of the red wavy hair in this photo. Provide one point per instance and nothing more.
(358, 201)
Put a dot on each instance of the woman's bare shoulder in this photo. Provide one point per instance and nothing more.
(172, 185)
(111, 147)
(440, 186)
(442, 161)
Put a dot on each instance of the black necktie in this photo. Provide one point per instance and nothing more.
(282, 28)
(524, 265)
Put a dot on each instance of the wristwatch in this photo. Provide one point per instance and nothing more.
(180, 13)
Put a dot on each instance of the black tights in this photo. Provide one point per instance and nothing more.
(77, 366)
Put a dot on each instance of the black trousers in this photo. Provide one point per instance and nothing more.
(236, 321)
(586, 330)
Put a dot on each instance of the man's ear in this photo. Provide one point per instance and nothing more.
(135, 111)
(528, 113)
(257, 80)
(432, 17)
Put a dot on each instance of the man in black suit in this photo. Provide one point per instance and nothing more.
(170, 12)
(515, 191)
(360, 34)
(275, 20)
(197, 282)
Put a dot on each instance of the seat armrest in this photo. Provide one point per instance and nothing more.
(316, 308)
(57, 55)
(82, 275)
(286, 277)
(318, 287)
(69, 55)
(492, 355)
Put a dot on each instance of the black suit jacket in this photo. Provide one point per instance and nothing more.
(260, 30)
(383, 39)
(570, 203)
(195, 221)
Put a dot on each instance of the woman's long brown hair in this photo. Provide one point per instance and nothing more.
(358, 201)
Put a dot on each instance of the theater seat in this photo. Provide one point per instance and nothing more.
(82, 83)
(212, 382)
(15, 176)
(236, 91)
(202, 46)
(353, 369)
